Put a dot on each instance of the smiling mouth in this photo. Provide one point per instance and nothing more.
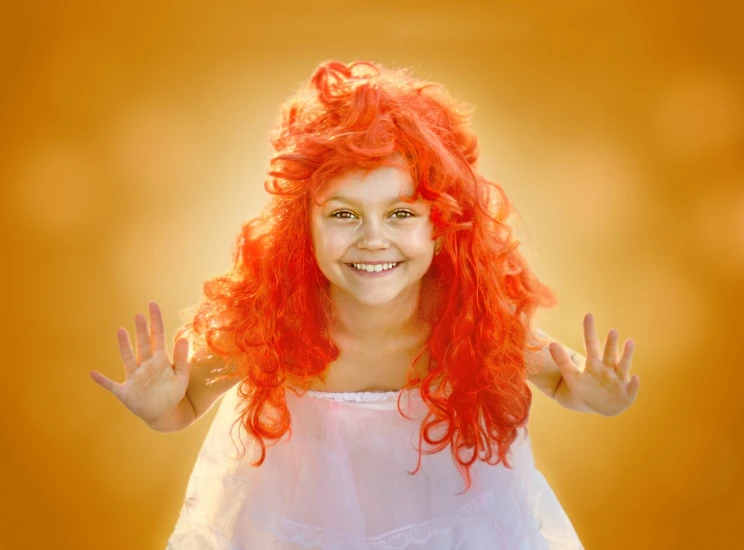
(373, 269)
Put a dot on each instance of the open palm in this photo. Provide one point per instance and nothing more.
(153, 386)
(603, 382)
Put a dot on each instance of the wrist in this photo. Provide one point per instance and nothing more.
(181, 417)
(564, 397)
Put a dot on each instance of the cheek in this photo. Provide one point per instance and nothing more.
(329, 245)
(421, 241)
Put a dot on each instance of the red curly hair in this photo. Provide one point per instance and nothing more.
(273, 328)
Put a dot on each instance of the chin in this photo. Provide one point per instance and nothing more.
(377, 301)
(373, 298)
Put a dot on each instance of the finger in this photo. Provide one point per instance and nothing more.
(181, 356)
(633, 386)
(127, 354)
(104, 382)
(591, 341)
(610, 351)
(157, 336)
(143, 339)
(623, 366)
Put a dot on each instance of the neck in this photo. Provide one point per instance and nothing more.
(372, 322)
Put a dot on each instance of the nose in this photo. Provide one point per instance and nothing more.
(373, 236)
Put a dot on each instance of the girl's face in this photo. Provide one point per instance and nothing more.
(370, 244)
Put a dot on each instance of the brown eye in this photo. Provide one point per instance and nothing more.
(406, 214)
(342, 214)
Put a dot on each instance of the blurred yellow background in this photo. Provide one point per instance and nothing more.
(135, 142)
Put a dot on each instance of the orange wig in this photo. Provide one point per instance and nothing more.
(269, 315)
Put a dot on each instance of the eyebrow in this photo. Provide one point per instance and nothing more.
(352, 201)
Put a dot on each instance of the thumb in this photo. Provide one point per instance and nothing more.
(567, 367)
(633, 385)
(181, 357)
(105, 383)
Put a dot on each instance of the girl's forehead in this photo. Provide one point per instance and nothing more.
(382, 183)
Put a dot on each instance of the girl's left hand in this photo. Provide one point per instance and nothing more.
(603, 384)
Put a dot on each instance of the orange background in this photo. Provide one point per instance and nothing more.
(135, 142)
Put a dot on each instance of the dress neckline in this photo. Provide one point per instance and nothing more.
(358, 396)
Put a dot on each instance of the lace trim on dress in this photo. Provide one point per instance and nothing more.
(307, 535)
(357, 396)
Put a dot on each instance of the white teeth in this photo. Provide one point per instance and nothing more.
(369, 268)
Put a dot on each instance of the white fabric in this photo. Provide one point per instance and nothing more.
(341, 482)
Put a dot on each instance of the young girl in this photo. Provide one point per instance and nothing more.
(375, 329)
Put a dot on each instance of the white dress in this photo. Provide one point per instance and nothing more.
(341, 482)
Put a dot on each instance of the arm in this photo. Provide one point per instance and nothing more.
(201, 394)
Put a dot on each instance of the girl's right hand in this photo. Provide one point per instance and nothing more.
(153, 386)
